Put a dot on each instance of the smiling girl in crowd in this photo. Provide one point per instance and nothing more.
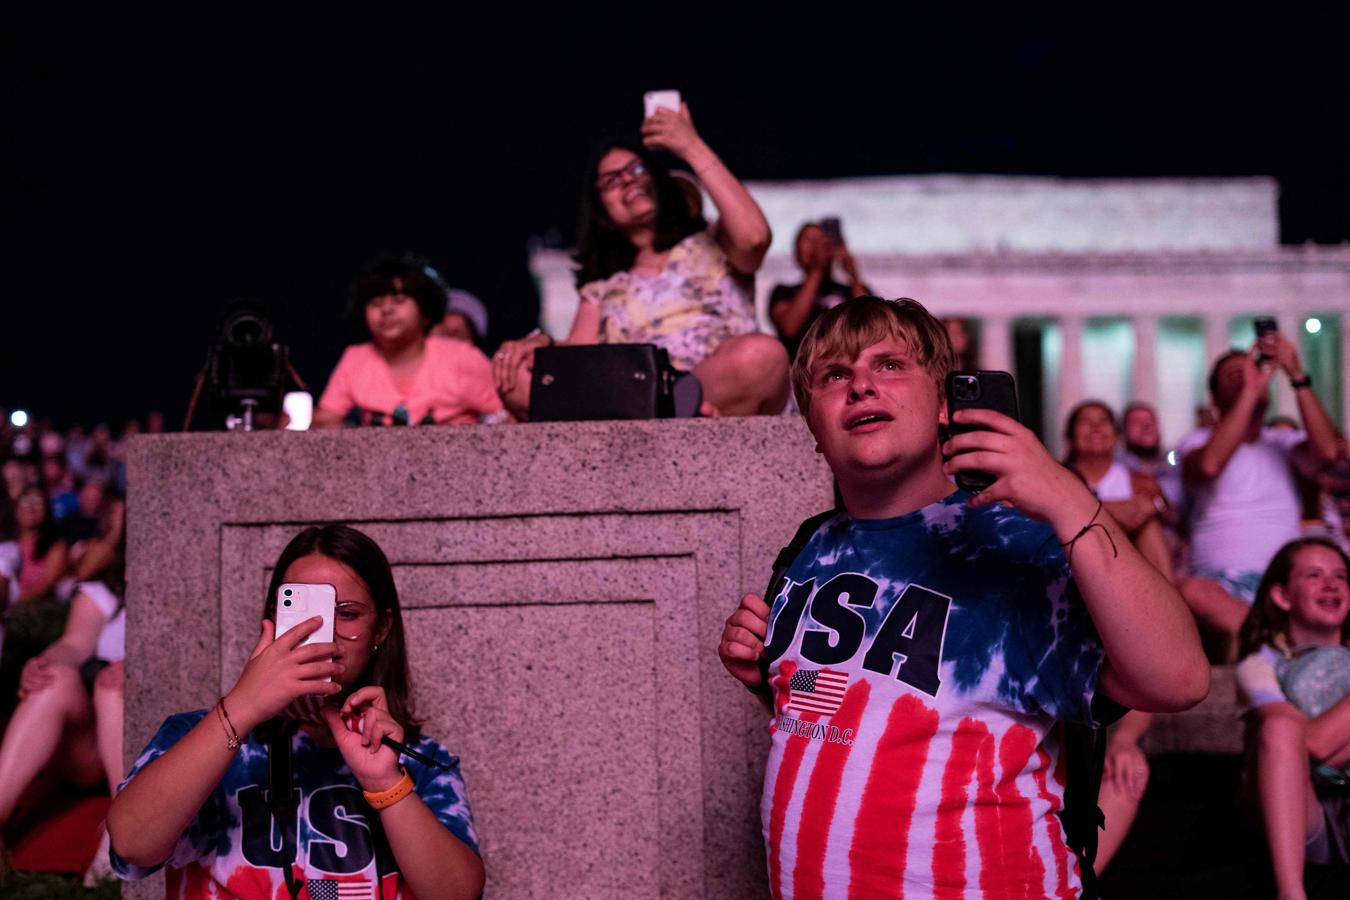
(1300, 610)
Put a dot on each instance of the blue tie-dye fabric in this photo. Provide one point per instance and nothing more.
(212, 838)
(1014, 604)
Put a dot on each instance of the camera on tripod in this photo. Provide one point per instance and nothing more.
(245, 367)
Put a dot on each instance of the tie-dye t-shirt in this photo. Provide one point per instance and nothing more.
(229, 849)
(919, 665)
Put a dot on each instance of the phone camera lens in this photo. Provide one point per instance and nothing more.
(287, 592)
(285, 603)
(966, 387)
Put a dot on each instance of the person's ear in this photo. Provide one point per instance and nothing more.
(382, 631)
(1280, 598)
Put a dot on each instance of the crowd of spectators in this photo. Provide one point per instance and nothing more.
(1218, 521)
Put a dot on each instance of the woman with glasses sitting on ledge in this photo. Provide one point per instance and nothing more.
(651, 270)
(199, 800)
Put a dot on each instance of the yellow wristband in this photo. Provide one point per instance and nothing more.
(386, 799)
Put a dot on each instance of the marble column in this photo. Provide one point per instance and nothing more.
(1216, 340)
(1144, 380)
(1291, 326)
(1345, 369)
(1070, 377)
(996, 347)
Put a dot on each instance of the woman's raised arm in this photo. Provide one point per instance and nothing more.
(743, 231)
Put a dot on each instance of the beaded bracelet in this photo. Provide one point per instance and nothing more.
(231, 736)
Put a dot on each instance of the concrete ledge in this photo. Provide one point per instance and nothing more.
(565, 587)
(1214, 727)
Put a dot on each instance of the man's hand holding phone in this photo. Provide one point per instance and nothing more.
(1027, 476)
(279, 671)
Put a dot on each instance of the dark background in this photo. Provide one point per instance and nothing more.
(154, 168)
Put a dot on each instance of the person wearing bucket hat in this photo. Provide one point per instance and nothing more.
(466, 318)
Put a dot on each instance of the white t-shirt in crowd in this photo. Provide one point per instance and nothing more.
(1115, 485)
(112, 639)
(1240, 519)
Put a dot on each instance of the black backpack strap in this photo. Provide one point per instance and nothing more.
(1084, 748)
(280, 799)
(783, 561)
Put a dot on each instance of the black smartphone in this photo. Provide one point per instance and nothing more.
(979, 390)
(1264, 326)
(834, 230)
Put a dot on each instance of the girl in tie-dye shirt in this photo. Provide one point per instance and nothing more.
(197, 800)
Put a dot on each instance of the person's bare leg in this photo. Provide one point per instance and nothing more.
(108, 709)
(1215, 609)
(34, 733)
(1289, 808)
(746, 375)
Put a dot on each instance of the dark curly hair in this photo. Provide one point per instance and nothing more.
(602, 249)
(403, 274)
(1266, 623)
(389, 667)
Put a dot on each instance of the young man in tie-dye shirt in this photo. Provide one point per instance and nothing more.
(924, 644)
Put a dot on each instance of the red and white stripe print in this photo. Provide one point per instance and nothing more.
(919, 805)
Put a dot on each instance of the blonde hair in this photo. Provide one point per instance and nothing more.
(857, 324)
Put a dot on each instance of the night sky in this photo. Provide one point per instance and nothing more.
(155, 168)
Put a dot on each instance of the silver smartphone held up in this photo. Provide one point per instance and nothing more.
(654, 100)
(298, 603)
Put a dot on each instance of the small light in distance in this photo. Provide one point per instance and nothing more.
(1171, 457)
(18, 418)
(1313, 325)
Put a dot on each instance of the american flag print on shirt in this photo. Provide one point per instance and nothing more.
(957, 640)
(328, 889)
(817, 691)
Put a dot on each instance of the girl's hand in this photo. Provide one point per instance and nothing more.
(673, 131)
(278, 671)
(357, 728)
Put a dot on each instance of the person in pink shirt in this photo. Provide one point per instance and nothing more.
(405, 375)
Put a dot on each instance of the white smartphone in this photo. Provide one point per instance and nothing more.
(298, 603)
(654, 100)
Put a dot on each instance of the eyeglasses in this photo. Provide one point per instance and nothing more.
(607, 181)
(353, 621)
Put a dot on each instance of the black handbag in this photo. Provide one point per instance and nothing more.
(609, 381)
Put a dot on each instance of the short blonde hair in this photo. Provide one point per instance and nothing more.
(857, 324)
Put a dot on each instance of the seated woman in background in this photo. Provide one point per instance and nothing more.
(405, 375)
(195, 801)
(652, 271)
(1132, 498)
(1091, 435)
(1294, 681)
(70, 698)
(43, 551)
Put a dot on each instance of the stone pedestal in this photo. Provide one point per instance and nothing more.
(564, 588)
